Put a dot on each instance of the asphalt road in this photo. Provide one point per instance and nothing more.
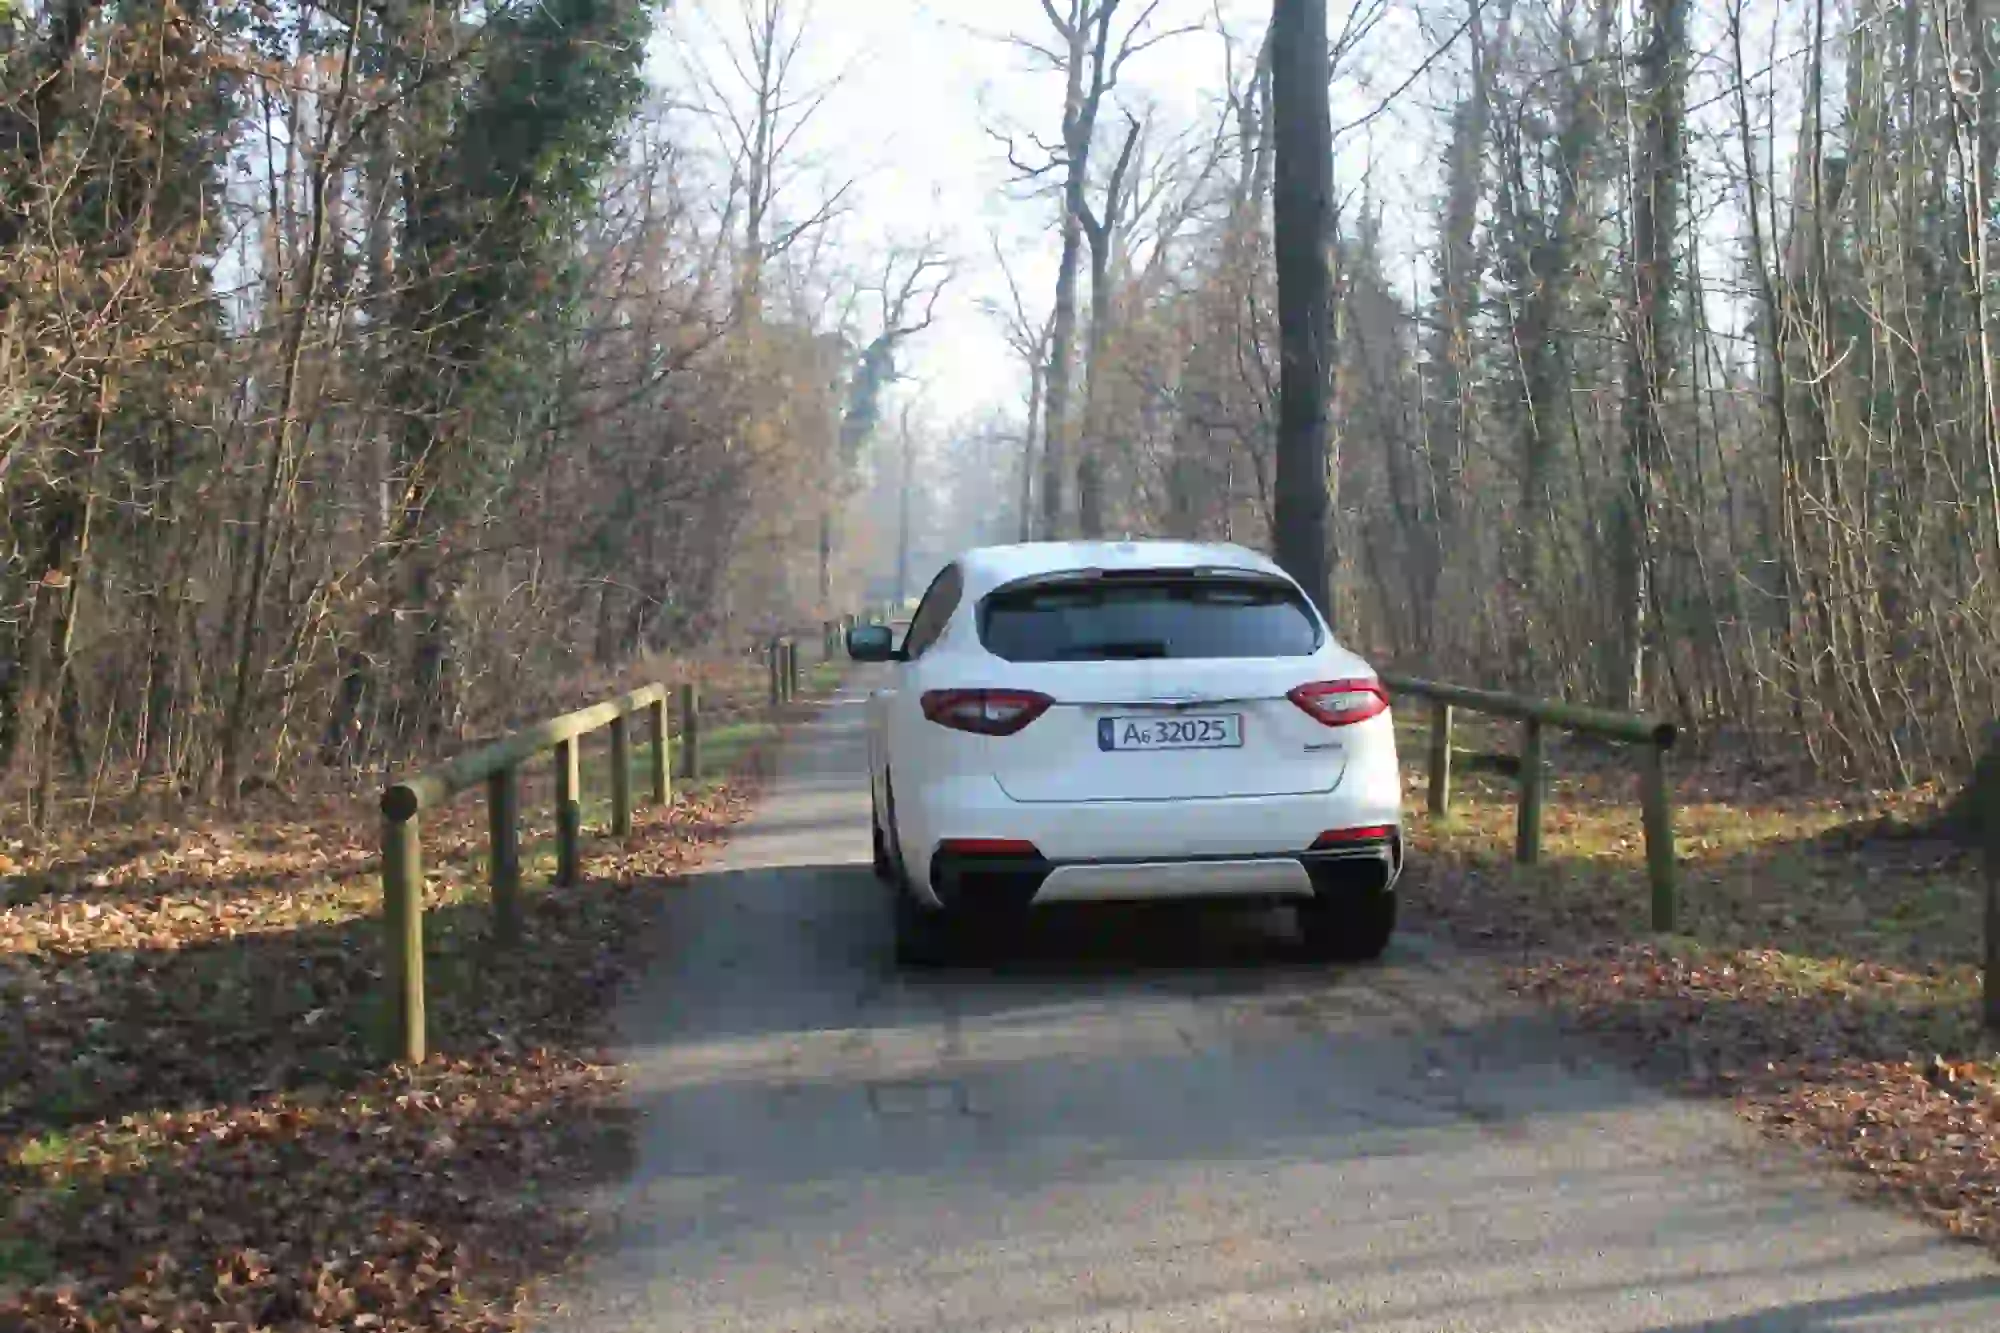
(1139, 1123)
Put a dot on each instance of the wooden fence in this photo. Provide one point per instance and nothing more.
(497, 766)
(1652, 736)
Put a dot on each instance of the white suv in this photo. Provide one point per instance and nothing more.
(1087, 721)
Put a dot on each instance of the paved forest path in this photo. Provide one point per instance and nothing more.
(1143, 1124)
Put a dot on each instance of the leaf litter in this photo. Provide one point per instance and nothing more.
(195, 1132)
(1824, 978)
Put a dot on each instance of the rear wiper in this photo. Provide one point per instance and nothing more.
(1119, 649)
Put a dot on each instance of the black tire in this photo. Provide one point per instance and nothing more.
(925, 936)
(885, 870)
(1350, 928)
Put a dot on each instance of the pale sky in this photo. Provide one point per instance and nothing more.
(924, 78)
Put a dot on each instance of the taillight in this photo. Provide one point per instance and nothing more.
(987, 712)
(1341, 703)
(988, 847)
(1348, 837)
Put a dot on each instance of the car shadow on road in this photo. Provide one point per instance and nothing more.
(763, 950)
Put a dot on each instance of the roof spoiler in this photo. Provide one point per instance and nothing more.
(1065, 578)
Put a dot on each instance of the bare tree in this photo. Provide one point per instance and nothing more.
(1302, 212)
(1029, 337)
(1100, 230)
(1661, 97)
(907, 286)
(758, 109)
(1091, 50)
(1449, 408)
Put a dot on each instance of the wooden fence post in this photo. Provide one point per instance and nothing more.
(1990, 987)
(1528, 827)
(1657, 804)
(691, 732)
(621, 777)
(656, 727)
(569, 813)
(1979, 808)
(1440, 759)
(403, 916)
(503, 823)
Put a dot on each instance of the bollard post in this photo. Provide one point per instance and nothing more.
(1528, 828)
(621, 777)
(503, 862)
(403, 918)
(1440, 759)
(656, 726)
(569, 814)
(1657, 806)
(793, 676)
(772, 655)
(691, 732)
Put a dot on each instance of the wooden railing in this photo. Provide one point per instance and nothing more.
(1652, 736)
(497, 766)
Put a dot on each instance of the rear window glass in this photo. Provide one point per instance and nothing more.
(1130, 619)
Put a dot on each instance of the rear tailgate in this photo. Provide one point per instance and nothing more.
(1227, 733)
(1168, 685)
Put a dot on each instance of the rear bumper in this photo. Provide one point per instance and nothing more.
(989, 882)
(1205, 840)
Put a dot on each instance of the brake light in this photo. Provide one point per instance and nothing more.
(989, 847)
(1341, 703)
(986, 712)
(1347, 837)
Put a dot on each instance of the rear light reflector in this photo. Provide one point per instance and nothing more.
(1341, 703)
(989, 847)
(1348, 837)
(985, 712)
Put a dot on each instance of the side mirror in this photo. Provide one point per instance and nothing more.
(872, 643)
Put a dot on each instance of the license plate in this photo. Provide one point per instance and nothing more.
(1215, 731)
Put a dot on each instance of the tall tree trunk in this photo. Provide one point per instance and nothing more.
(65, 561)
(1090, 447)
(1026, 517)
(1448, 423)
(274, 506)
(1079, 128)
(1655, 220)
(903, 487)
(1062, 348)
(436, 668)
(1979, 135)
(1101, 231)
(1302, 211)
(825, 557)
(1771, 365)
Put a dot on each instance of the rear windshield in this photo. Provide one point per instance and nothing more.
(1151, 617)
